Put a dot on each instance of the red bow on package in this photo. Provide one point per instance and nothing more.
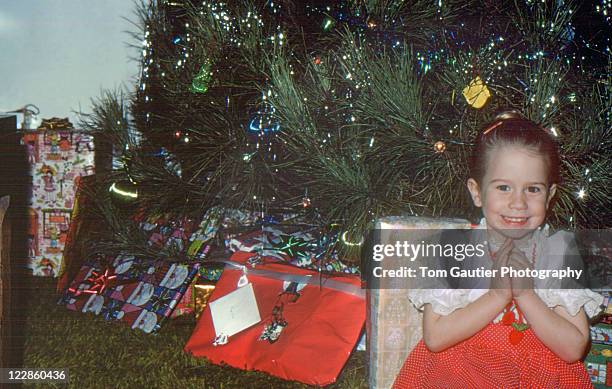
(99, 282)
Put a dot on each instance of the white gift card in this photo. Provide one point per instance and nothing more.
(235, 311)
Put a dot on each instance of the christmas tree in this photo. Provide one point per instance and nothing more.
(345, 111)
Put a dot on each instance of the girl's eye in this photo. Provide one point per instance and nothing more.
(503, 188)
(534, 189)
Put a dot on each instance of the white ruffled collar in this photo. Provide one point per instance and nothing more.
(536, 241)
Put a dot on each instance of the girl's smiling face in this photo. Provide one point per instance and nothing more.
(514, 193)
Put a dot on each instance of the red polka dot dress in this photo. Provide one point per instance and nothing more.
(497, 356)
(490, 360)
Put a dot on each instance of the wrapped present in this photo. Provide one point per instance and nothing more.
(238, 218)
(185, 305)
(210, 272)
(394, 325)
(301, 247)
(255, 241)
(182, 233)
(169, 231)
(598, 363)
(84, 219)
(607, 303)
(201, 294)
(602, 334)
(57, 162)
(299, 318)
(204, 234)
(138, 292)
(195, 299)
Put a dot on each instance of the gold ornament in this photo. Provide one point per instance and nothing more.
(476, 93)
(440, 146)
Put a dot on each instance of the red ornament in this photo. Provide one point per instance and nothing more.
(317, 60)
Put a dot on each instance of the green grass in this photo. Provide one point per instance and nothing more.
(100, 354)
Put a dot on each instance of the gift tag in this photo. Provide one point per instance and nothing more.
(235, 311)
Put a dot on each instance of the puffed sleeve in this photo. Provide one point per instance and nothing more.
(561, 252)
(444, 301)
(572, 300)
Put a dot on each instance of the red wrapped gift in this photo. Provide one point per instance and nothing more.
(322, 319)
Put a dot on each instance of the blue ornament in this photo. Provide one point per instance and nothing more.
(264, 121)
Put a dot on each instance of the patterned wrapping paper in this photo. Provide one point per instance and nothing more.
(599, 366)
(393, 324)
(602, 334)
(57, 159)
(201, 295)
(598, 361)
(183, 234)
(608, 302)
(195, 298)
(84, 219)
(296, 247)
(141, 294)
(299, 247)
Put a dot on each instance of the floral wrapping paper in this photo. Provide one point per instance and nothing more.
(57, 159)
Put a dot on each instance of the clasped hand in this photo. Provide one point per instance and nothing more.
(507, 286)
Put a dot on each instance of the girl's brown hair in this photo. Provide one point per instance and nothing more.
(510, 127)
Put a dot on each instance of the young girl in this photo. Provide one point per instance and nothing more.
(513, 334)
